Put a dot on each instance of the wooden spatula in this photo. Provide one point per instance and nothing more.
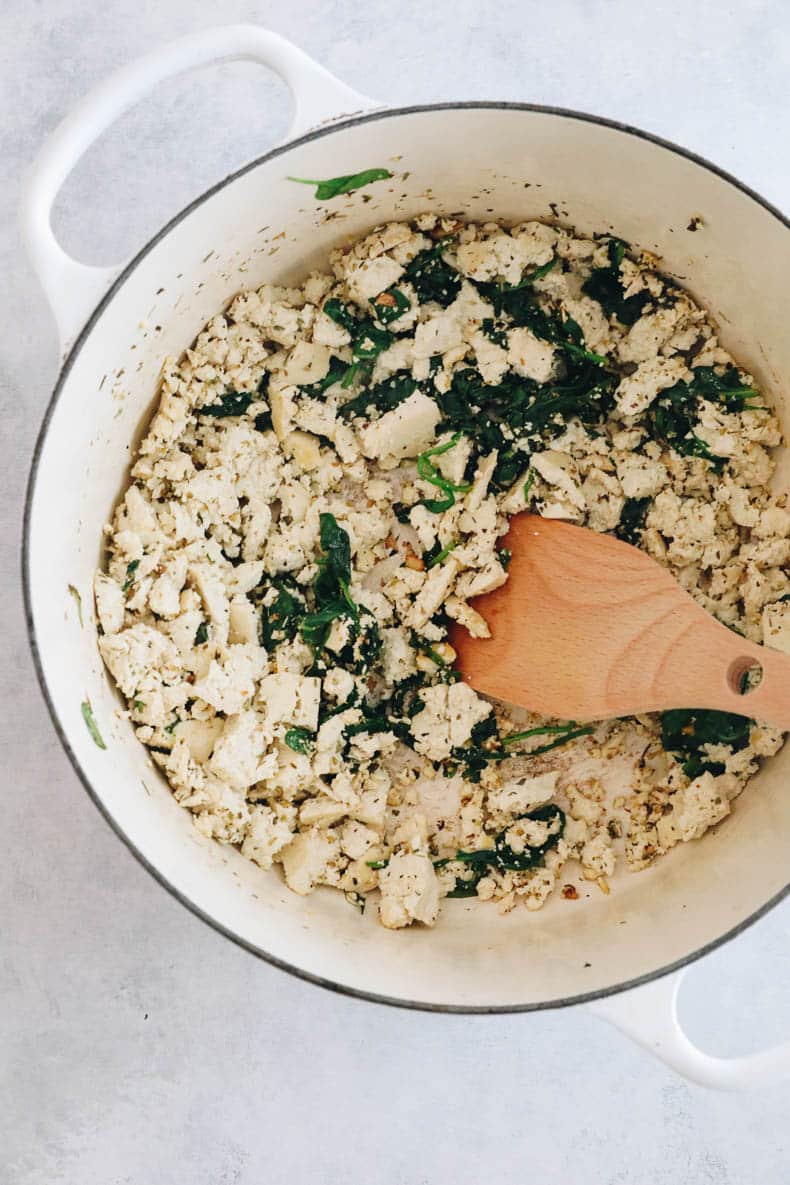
(588, 627)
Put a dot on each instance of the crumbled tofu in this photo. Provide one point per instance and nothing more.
(409, 892)
(294, 699)
(110, 603)
(637, 391)
(267, 834)
(310, 859)
(529, 356)
(776, 626)
(516, 796)
(403, 432)
(448, 715)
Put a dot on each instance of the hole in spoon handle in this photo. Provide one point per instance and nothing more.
(744, 675)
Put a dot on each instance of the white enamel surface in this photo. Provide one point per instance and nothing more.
(261, 227)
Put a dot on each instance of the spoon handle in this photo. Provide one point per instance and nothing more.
(721, 664)
(680, 656)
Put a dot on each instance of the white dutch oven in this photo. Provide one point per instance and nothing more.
(478, 160)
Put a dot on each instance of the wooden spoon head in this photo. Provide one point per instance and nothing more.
(588, 627)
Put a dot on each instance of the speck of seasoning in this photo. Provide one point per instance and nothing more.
(695, 223)
(570, 893)
(75, 593)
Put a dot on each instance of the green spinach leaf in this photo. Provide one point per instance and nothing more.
(381, 398)
(337, 371)
(686, 731)
(131, 569)
(301, 740)
(280, 620)
(91, 725)
(232, 403)
(632, 519)
(503, 858)
(428, 472)
(390, 305)
(334, 186)
(605, 285)
(342, 314)
(432, 277)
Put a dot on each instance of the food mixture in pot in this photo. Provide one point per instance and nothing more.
(324, 488)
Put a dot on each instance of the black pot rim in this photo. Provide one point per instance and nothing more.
(327, 130)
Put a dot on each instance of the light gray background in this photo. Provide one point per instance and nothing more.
(138, 1046)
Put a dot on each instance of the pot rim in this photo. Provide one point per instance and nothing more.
(66, 366)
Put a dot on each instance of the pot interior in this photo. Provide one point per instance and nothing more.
(479, 162)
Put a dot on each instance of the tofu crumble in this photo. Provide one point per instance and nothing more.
(324, 488)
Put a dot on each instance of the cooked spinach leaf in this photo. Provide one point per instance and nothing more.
(334, 562)
(436, 554)
(131, 568)
(334, 186)
(370, 340)
(632, 519)
(342, 314)
(428, 472)
(202, 633)
(280, 620)
(501, 295)
(673, 417)
(390, 305)
(382, 397)
(502, 857)
(232, 403)
(301, 740)
(521, 304)
(91, 725)
(495, 332)
(331, 588)
(486, 745)
(337, 371)
(518, 409)
(562, 732)
(314, 627)
(606, 286)
(538, 274)
(263, 421)
(528, 484)
(726, 389)
(367, 643)
(686, 731)
(432, 277)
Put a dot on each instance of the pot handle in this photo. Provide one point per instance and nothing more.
(72, 288)
(649, 1016)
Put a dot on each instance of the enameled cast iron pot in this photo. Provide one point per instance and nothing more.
(479, 160)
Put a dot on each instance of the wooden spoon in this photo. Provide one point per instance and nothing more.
(588, 627)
